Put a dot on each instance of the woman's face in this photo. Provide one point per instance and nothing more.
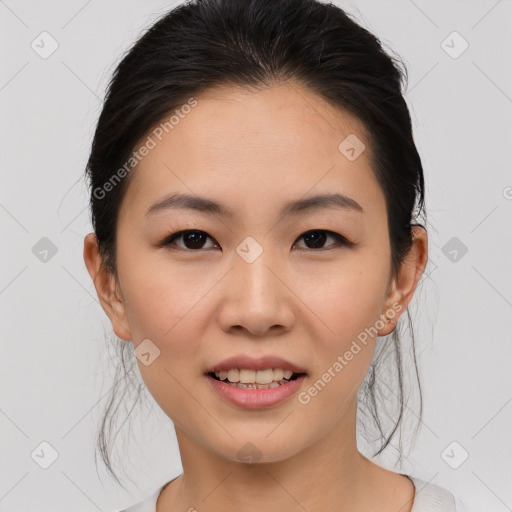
(251, 284)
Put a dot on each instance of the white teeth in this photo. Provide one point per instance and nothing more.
(278, 374)
(261, 377)
(233, 376)
(257, 386)
(248, 377)
(265, 376)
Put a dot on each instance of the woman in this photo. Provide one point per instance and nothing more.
(254, 192)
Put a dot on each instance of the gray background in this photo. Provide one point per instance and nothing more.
(55, 366)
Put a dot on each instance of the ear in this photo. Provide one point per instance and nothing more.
(401, 289)
(107, 288)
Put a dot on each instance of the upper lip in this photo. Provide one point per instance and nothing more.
(252, 363)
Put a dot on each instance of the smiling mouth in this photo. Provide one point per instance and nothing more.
(255, 385)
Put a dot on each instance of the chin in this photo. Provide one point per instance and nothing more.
(255, 450)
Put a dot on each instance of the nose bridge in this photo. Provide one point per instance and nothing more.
(256, 299)
(251, 270)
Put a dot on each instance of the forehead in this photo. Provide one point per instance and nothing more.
(255, 146)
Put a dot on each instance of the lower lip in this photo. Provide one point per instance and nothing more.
(256, 398)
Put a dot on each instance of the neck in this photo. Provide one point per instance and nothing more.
(328, 474)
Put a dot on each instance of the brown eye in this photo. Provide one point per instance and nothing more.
(192, 239)
(315, 239)
(195, 240)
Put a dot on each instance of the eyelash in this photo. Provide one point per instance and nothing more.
(168, 241)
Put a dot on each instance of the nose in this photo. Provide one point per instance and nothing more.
(256, 297)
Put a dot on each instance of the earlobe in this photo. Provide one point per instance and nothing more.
(106, 288)
(402, 288)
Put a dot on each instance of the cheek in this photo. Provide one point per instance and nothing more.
(166, 309)
(349, 304)
(158, 295)
(348, 295)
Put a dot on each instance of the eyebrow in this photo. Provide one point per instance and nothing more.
(209, 206)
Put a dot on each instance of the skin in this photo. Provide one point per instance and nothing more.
(305, 304)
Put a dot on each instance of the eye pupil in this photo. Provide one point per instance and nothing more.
(193, 238)
(317, 237)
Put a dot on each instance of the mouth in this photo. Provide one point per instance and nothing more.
(255, 383)
(251, 389)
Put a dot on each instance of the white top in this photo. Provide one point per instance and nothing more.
(427, 498)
